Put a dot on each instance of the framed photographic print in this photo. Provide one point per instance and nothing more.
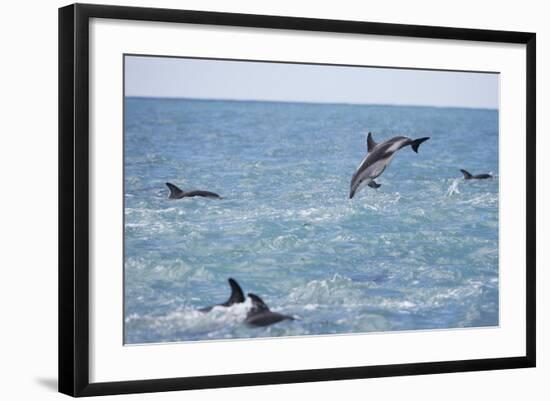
(249, 199)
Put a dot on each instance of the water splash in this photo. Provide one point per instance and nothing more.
(453, 188)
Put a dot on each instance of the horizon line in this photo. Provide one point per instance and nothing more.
(306, 102)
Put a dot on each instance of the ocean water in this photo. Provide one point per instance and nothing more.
(419, 253)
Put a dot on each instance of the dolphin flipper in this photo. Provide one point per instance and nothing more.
(416, 143)
(175, 192)
(374, 185)
(370, 142)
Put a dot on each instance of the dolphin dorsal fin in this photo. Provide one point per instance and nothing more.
(257, 303)
(466, 174)
(174, 191)
(237, 295)
(370, 142)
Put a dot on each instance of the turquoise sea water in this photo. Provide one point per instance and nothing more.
(420, 252)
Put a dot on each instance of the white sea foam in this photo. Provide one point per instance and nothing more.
(453, 188)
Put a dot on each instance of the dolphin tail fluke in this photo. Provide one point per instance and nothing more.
(175, 192)
(416, 143)
(237, 295)
(466, 174)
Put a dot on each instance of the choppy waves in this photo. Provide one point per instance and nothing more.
(421, 252)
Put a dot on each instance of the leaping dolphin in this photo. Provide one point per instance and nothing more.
(176, 193)
(260, 315)
(236, 296)
(468, 176)
(377, 160)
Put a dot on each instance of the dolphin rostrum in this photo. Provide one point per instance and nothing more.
(260, 315)
(468, 176)
(236, 296)
(176, 193)
(377, 160)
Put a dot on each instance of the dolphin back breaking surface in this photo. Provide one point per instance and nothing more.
(378, 159)
(260, 315)
(177, 193)
(468, 176)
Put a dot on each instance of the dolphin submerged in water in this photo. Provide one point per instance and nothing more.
(377, 160)
(468, 176)
(176, 193)
(259, 313)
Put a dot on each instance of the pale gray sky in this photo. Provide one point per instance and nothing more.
(244, 80)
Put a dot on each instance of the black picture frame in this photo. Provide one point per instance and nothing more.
(74, 198)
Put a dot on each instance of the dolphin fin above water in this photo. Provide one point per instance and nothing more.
(258, 303)
(236, 297)
(177, 193)
(468, 176)
(260, 315)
